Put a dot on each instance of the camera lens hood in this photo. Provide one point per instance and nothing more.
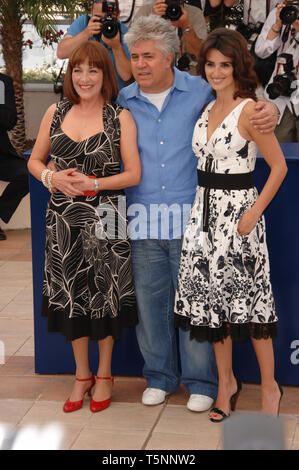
(273, 90)
(110, 27)
(289, 14)
(173, 11)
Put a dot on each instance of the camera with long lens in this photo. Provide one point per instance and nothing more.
(173, 10)
(284, 83)
(110, 25)
(290, 13)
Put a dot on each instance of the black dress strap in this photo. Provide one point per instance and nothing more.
(62, 108)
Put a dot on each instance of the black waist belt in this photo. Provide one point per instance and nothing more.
(223, 181)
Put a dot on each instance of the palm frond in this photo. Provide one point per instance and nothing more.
(13, 14)
(43, 13)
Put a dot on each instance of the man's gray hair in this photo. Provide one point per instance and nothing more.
(154, 28)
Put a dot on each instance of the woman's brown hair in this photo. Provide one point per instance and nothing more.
(97, 56)
(233, 45)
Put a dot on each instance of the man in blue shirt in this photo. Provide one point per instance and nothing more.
(85, 29)
(159, 207)
(165, 104)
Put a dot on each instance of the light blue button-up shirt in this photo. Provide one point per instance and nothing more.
(159, 206)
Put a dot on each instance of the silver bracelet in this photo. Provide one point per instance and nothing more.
(96, 185)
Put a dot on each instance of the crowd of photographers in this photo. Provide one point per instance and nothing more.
(280, 35)
(272, 32)
(271, 29)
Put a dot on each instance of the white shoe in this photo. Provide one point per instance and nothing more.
(153, 396)
(198, 402)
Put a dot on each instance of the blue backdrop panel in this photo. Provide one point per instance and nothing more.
(53, 354)
(282, 222)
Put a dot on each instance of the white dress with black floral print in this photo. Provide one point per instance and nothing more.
(224, 278)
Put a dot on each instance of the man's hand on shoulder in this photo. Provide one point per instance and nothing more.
(265, 117)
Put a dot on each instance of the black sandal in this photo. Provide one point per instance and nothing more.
(233, 402)
(219, 412)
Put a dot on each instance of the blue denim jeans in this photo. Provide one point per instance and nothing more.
(170, 356)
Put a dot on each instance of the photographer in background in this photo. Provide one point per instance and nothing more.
(200, 3)
(12, 167)
(255, 13)
(281, 33)
(90, 28)
(128, 10)
(192, 28)
(254, 10)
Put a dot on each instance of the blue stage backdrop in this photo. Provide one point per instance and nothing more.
(53, 354)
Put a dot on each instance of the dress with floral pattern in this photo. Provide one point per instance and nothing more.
(224, 278)
(88, 287)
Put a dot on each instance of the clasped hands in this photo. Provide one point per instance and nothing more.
(71, 182)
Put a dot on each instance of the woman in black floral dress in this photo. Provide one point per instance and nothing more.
(88, 289)
(224, 291)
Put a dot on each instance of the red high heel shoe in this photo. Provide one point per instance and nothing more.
(101, 405)
(76, 405)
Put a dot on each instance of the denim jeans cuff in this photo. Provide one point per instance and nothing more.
(203, 389)
(168, 388)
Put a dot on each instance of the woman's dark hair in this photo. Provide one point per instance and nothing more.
(97, 56)
(233, 45)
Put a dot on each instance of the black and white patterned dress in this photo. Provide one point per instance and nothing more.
(224, 280)
(88, 288)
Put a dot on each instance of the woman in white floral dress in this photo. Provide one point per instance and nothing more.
(224, 291)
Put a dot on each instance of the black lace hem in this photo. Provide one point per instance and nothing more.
(96, 328)
(238, 332)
